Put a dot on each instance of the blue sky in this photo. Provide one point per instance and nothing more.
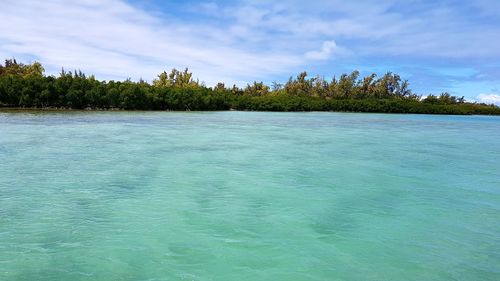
(437, 45)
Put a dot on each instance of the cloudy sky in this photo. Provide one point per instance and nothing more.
(446, 45)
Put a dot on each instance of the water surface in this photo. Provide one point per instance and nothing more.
(248, 196)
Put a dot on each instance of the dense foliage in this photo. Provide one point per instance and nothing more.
(26, 86)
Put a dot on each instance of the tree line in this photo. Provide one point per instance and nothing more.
(26, 86)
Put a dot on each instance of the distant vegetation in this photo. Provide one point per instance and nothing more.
(26, 86)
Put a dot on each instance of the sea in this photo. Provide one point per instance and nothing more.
(133, 195)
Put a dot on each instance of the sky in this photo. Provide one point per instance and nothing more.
(446, 45)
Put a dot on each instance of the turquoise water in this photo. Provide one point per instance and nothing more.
(248, 196)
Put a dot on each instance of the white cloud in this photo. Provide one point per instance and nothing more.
(210, 8)
(246, 40)
(489, 99)
(328, 49)
(385, 27)
(116, 40)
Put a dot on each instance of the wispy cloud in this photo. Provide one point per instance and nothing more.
(489, 99)
(115, 40)
(245, 40)
(328, 49)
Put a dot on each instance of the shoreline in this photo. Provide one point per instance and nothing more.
(55, 109)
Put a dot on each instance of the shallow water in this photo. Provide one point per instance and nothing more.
(248, 196)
